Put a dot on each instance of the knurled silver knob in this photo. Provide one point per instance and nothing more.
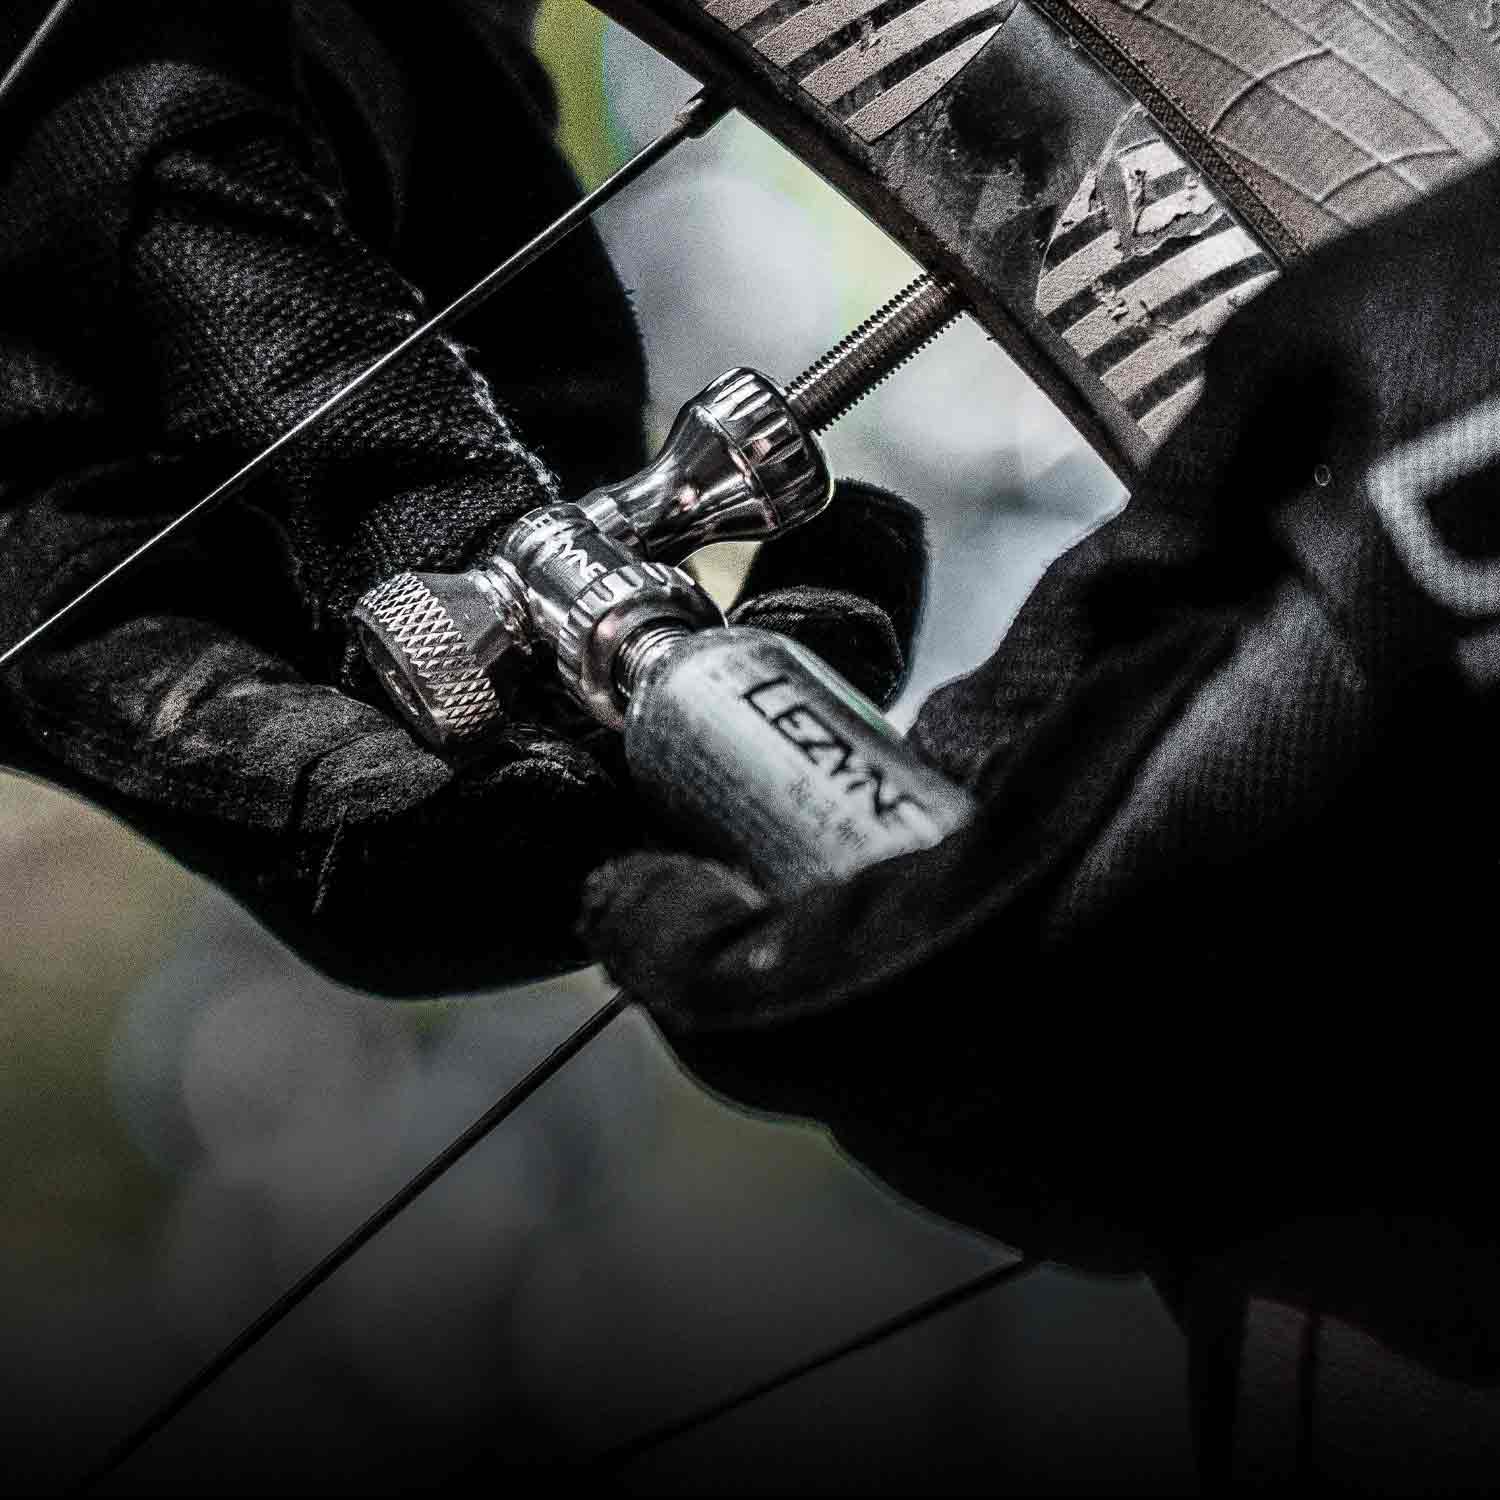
(610, 612)
(450, 649)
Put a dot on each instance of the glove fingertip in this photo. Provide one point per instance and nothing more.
(867, 542)
(656, 921)
(853, 635)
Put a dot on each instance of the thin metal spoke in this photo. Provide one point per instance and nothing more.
(697, 116)
(933, 1307)
(28, 53)
(301, 1289)
(548, 1068)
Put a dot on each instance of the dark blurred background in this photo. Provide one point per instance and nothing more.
(189, 1116)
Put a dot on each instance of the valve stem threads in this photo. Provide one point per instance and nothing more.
(844, 376)
(641, 653)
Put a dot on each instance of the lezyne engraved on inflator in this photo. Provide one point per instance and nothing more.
(798, 721)
(775, 763)
(555, 539)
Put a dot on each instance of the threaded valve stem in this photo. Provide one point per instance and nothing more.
(844, 376)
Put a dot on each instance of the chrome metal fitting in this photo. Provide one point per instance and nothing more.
(452, 648)
(738, 465)
(742, 462)
(586, 594)
(557, 552)
(449, 648)
(612, 612)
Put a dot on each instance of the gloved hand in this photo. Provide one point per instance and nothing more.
(1196, 964)
(203, 235)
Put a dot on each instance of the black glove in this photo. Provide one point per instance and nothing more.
(1198, 962)
(202, 236)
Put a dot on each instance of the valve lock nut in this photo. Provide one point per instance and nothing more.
(737, 465)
